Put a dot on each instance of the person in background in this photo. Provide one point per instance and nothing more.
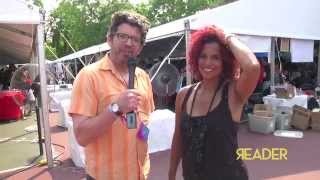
(208, 112)
(2, 75)
(101, 99)
(262, 75)
(8, 73)
(278, 77)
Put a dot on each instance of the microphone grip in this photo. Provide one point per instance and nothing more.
(131, 80)
(131, 116)
(131, 70)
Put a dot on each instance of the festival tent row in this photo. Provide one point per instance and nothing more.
(257, 23)
(21, 41)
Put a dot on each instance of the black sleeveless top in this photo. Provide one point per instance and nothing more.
(210, 142)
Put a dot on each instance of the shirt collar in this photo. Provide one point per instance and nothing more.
(106, 64)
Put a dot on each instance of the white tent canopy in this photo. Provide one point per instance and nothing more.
(166, 30)
(275, 18)
(18, 12)
(285, 18)
(87, 51)
(17, 31)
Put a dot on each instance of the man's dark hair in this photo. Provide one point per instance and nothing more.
(132, 18)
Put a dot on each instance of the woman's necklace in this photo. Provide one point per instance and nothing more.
(212, 99)
(123, 79)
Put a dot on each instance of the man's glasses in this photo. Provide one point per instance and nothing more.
(125, 37)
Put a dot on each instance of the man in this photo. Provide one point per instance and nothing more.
(100, 100)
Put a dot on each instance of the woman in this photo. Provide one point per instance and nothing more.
(208, 112)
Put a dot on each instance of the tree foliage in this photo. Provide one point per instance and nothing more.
(38, 3)
(82, 23)
(163, 11)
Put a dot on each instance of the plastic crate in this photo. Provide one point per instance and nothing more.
(283, 121)
(283, 117)
(261, 124)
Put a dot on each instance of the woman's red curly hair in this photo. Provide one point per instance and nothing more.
(210, 35)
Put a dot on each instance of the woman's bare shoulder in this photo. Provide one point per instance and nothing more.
(183, 91)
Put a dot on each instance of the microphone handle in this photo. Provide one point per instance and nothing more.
(131, 80)
(131, 116)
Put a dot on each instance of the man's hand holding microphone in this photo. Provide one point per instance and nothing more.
(128, 101)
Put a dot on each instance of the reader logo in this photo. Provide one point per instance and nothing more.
(262, 154)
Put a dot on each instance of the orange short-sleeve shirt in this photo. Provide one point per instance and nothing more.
(118, 154)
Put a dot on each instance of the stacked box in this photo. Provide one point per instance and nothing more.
(262, 110)
(300, 117)
(285, 91)
(315, 121)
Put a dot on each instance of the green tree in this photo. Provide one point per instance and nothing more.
(82, 22)
(38, 3)
(163, 11)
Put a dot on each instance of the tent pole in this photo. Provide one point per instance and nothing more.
(272, 63)
(75, 67)
(44, 117)
(187, 39)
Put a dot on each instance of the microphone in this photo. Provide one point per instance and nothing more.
(131, 116)
(132, 63)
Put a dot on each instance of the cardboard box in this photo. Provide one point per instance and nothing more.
(315, 120)
(286, 91)
(262, 110)
(300, 117)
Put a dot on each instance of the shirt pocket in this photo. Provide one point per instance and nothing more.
(144, 109)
